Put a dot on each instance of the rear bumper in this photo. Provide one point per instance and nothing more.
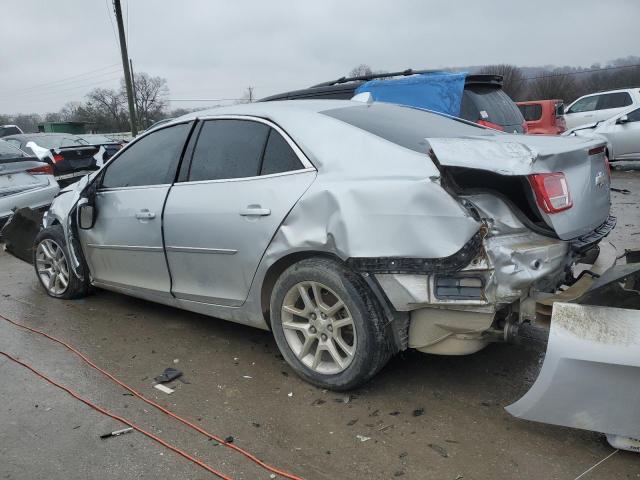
(36, 198)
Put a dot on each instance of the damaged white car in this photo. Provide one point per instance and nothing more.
(351, 230)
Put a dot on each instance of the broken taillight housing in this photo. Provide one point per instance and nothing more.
(44, 170)
(58, 157)
(551, 191)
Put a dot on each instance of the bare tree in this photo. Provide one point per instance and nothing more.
(72, 111)
(106, 107)
(551, 85)
(150, 96)
(513, 79)
(361, 70)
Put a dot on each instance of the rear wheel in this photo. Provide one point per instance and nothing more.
(53, 267)
(328, 325)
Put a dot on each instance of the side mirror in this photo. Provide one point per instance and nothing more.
(622, 119)
(86, 216)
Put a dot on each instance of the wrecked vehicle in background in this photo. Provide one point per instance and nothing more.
(69, 155)
(352, 231)
(24, 182)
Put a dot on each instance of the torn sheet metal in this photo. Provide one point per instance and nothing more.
(590, 378)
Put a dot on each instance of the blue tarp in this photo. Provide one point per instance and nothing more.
(440, 91)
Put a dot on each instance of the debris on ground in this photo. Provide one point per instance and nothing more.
(117, 433)
(362, 438)
(163, 389)
(317, 401)
(418, 412)
(229, 439)
(395, 413)
(168, 375)
(352, 422)
(440, 450)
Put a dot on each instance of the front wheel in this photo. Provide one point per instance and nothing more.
(327, 324)
(53, 267)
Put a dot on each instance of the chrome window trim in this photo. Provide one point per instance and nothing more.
(306, 163)
(244, 179)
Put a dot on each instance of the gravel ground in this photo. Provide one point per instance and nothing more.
(423, 417)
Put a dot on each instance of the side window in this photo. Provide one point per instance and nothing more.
(278, 156)
(634, 116)
(586, 104)
(152, 160)
(614, 100)
(228, 149)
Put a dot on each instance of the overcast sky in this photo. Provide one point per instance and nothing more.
(54, 51)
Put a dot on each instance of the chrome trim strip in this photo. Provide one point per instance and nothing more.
(136, 187)
(136, 248)
(223, 251)
(244, 179)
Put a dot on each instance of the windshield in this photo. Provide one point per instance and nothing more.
(405, 126)
(9, 151)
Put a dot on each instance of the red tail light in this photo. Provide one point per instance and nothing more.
(44, 170)
(486, 123)
(57, 158)
(551, 191)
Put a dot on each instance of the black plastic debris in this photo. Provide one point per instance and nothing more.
(229, 439)
(418, 412)
(20, 231)
(168, 375)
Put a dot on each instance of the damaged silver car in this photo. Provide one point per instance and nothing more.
(351, 230)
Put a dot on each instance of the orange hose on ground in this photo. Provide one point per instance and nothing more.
(201, 430)
(120, 419)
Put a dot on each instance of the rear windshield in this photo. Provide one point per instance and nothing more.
(9, 151)
(55, 141)
(404, 126)
(491, 105)
(531, 112)
(9, 130)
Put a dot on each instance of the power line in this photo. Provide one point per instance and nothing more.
(75, 78)
(113, 28)
(204, 99)
(41, 96)
(560, 74)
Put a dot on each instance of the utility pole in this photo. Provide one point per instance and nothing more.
(133, 86)
(250, 90)
(125, 66)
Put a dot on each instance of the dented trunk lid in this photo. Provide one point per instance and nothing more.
(581, 160)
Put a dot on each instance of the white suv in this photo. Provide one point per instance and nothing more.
(600, 106)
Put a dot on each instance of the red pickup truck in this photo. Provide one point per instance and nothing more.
(543, 117)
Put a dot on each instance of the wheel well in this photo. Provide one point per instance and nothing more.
(275, 270)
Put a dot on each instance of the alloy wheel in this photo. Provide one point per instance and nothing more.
(318, 327)
(52, 267)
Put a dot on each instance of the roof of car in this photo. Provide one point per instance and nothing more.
(266, 108)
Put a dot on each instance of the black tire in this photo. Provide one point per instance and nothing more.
(75, 288)
(373, 347)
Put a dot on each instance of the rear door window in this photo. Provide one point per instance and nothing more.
(614, 100)
(531, 112)
(152, 160)
(279, 157)
(228, 149)
(586, 104)
(634, 116)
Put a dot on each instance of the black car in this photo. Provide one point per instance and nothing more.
(110, 145)
(483, 100)
(71, 156)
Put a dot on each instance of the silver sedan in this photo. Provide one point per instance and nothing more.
(351, 230)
